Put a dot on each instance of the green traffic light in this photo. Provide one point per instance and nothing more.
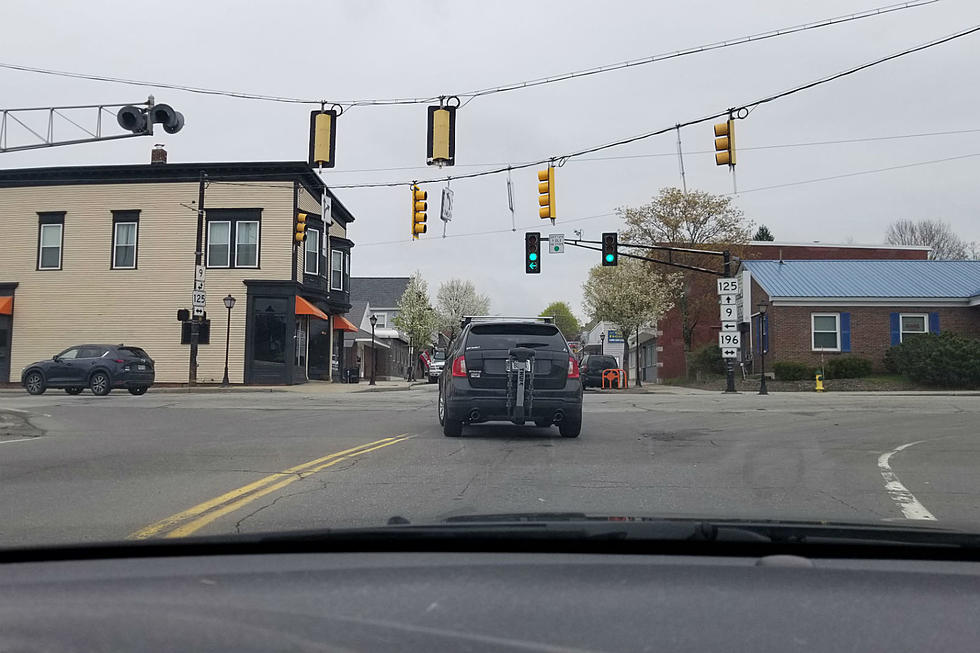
(609, 258)
(533, 256)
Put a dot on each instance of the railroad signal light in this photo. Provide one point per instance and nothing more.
(323, 138)
(300, 230)
(725, 143)
(441, 136)
(419, 208)
(546, 193)
(532, 252)
(610, 248)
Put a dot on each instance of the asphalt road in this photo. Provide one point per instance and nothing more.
(171, 465)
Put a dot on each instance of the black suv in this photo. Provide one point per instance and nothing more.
(516, 371)
(99, 367)
(593, 366)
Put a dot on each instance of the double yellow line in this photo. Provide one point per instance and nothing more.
(193, 519)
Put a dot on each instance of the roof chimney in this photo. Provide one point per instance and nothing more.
(158, 155)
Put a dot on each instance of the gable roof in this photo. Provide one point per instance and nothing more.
(356, 312)
(868, 279)
(381, 292)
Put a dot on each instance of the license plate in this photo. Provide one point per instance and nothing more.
(141, 367)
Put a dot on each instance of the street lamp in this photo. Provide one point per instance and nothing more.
(602, 342)
(374, 352)
(763, 342)
(229, 304)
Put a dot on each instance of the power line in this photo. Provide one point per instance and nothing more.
(561, 159)
(771, 34)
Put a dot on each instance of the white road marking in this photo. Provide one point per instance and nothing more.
(17, 440)
(900, 494)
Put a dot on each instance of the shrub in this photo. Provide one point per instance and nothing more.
(708, 360)
(848, 367)
(792, 371)
(947, 360)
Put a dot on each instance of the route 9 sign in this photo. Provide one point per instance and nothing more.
(729, 313)
(729, 340)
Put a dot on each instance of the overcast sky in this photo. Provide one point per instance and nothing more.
(393, 49)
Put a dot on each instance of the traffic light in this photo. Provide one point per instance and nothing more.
(725, 143)
(546, 193)
(323, 138)
(441, 137)
(532, 252)
(610, 248)
(419, 207)
(300, 230)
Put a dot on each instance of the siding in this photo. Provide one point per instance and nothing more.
(86, 301)
(307, 202)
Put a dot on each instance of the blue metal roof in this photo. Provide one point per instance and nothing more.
(882, 278)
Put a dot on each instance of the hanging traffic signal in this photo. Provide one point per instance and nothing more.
(299, 234)
(725, 143)
(532, 252)
(323, 138)
(610, 248)
(546, 193)
(419, 207)
(441, 137)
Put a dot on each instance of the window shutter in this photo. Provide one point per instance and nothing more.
(845, 332)
(934, 323)
(894, 327)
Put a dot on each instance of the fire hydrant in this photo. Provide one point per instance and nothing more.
(820, 383)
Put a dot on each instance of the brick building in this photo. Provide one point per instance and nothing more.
(670, 343)
(817, 310)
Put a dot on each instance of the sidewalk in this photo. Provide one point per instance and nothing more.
(310, 387)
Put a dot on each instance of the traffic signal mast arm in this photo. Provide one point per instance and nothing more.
(725, 273)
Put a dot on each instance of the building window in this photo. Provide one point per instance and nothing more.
(124, 238)
(347, 271)
(382, 320)
(219, 244)
(246, 244)
(913, 324)
(826, 331)
(312, 260)
(50, 236)
(337, 269)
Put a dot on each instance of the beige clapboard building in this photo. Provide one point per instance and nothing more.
(106, 254)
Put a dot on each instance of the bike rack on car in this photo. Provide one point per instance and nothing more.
(520, 384)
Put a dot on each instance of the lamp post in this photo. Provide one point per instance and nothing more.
(763, 342)
(602, 342)
(374, 352)
(229, 304)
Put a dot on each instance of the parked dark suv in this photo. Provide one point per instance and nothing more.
(510, 370)
(99, 367)
(592, 367)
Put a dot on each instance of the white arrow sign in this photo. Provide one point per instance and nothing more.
(729, 352)
(728, 299)
(729, 326)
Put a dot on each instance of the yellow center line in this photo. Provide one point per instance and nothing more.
(291, 474)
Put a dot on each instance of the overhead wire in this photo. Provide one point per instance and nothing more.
(470, 95)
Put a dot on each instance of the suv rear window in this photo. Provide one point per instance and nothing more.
(505, 336)
(134, 351)
(602, 363)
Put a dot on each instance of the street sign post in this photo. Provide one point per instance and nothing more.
(197, 311)
(199, 273)
(729, 352)
(730, 340)
(727, 286)
(729, 326)
(729, 312)
(198, 285)
(199, 298)
(727, 299)
(556, 243)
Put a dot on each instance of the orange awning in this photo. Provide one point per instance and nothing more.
(303, 307)
(342, 323)
(6, 305)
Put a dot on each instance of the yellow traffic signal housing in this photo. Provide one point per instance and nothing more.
(725, 143)
(419, 207)
(441, 137)
(323, 138)
(300, 229)
(546, 193)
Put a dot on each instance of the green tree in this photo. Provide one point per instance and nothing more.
(695, 220)
(763, 233)
(456, 299)
(416, 317)
(630, 295)
(565, 320)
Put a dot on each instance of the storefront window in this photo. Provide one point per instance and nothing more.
(270, 331)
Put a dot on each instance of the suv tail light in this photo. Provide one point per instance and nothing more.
(572, 367)
(459, 366)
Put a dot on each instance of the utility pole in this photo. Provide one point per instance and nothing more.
(729, 362)
(198, 261)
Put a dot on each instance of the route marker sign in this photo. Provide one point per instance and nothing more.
(199, 298)
(729, 340)
(727, 285)
(728, 312)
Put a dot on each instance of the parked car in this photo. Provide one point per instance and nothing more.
(98, 367)
(436, 365)
(592, 367)
(487, 377)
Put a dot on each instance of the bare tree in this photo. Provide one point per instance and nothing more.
(936, 234)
